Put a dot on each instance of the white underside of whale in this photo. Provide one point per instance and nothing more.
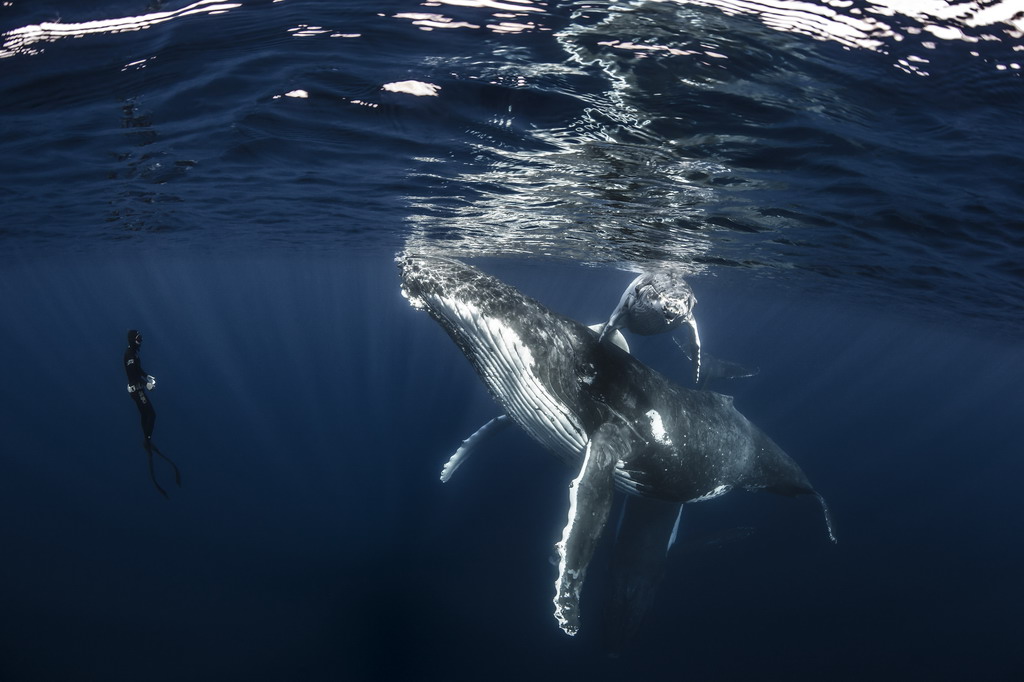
(507, 366)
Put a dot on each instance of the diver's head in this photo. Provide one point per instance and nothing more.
(134, 338)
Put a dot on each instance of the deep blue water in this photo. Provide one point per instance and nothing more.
(841, 183)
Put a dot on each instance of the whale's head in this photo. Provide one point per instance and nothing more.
(483, 315)
(526, 355)
(438, 285)
(660, 301)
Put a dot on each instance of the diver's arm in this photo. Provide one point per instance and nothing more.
(143, 377)
(133, 367)
(148, 379)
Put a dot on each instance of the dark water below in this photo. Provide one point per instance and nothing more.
(841, 183)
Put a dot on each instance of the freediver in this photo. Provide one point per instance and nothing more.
(138, 383)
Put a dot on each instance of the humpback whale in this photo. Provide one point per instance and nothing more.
(501, 421)
(661, 301)
(654, 303)
(616, 422)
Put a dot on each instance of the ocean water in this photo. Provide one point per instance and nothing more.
(841, 182)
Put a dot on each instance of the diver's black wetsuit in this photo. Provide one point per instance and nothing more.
(137, 383)
(137, 379)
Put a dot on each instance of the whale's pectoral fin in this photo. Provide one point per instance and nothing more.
(712, 367)
(646, 531)
(617, 319)
(695, 344)
(715, 368)
(590, 499)
(615, 336)
(828, 518)
(488, 429)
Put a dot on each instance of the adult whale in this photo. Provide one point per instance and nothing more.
(598, 409)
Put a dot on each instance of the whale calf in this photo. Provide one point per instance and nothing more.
(612, 419)
(654, 303)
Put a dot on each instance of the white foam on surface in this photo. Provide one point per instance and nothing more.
(414, 88)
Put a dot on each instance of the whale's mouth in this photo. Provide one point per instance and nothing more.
(480, 312)
(422, 278)
(441, 286)
(489, 320)
(454, 294)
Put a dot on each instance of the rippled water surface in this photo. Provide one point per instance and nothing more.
(869, 147)
(842, 183)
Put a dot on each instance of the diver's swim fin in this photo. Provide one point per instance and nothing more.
(177, 474)
(150, 449)
(152, 474)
